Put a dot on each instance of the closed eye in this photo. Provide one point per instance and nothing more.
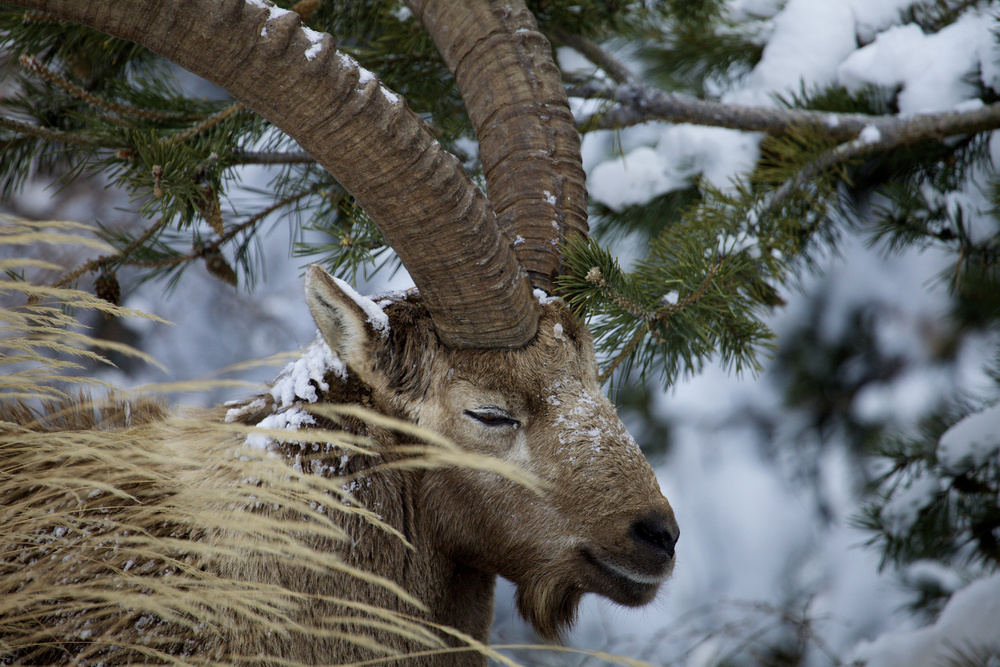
(493, 417)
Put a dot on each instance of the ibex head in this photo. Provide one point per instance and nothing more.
(600, 523)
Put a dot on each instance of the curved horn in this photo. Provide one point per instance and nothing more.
(434, 217)
(528, 139)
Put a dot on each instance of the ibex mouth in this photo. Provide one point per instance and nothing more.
(621, 583)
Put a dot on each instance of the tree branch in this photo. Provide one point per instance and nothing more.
(32, 64)
(639, 104)
(105, 260)
(593, 52)
(204, 125)
(205, 251)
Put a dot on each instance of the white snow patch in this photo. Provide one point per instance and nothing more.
(971, 442)
(730, 244)
(969, 619)
(364, 76)
(290, 420)
(274, 12)
(557, 331)
(544, 298)
(376, 317)
(682, 151)
(518, 240)
(870, 135)
(933, 573)
(315, 39)
(389, 95)
(874, 17)
(932, 70)
(810, 40)
(235, 413)
(670, 298)
(549, 197)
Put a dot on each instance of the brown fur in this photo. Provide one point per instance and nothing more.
(446, 532)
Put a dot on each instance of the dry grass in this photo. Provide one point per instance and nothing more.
(123, 525)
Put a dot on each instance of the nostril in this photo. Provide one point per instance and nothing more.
(656, 532)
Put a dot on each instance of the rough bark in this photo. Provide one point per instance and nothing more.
(433, 216)
(528, 141)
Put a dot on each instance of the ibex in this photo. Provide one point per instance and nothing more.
(480, 354)
(598, 523)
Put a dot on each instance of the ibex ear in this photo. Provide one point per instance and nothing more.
(342, 321)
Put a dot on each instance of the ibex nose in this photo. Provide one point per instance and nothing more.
(658, 533)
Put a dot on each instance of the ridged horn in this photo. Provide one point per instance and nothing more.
(438, 222)
(528, 141)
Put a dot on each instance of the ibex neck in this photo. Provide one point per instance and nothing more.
(454, 595)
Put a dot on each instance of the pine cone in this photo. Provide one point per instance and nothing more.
(106, 286)
(219, 267)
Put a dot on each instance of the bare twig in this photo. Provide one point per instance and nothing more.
(104, 260)
(638, 103)
(595, 54)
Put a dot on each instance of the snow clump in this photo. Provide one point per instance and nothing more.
(290, 420)
(971, 442)
(543, 298)
(297, 378)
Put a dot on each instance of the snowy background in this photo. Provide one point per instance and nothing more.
(767, 555)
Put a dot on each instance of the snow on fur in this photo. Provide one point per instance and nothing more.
(376, 317)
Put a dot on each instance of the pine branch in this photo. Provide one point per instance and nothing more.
(48, 134)
(209, 250)
(646, 316)
(205, 125)
(873, 138)
(33, 65)
(626, 352)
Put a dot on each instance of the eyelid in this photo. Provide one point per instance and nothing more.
(493, 417)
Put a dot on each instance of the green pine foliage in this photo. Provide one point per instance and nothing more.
(916, 196)
(923, 509)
